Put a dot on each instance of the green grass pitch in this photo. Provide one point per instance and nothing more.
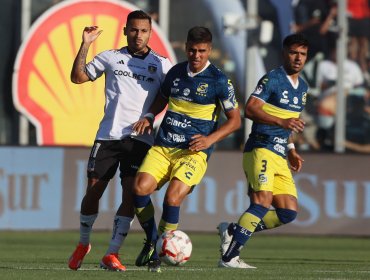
(39, 255)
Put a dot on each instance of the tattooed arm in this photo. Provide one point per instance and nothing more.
(78, 73)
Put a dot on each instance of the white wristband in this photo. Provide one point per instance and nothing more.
(150, 116)
(290, 146)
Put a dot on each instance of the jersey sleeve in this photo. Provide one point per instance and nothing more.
(227, 95)
(165, 89)
(96, 67)
(262, 90)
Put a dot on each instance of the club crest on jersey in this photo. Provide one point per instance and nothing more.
(202, 89)
(152, 68)
(262, 178)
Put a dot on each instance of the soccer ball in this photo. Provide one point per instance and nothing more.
(174, 247)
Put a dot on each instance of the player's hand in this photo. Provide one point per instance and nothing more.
(295, 160)
(199, 142)
(143, 126)
(90, 33)
(294, 124)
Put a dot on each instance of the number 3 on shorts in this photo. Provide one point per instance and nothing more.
(264, 165)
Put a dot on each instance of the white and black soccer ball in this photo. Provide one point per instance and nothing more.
(174, 247)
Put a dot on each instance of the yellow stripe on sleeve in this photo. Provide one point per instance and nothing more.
(279, 112)
(193, 110)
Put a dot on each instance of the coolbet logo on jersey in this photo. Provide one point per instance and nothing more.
(62, 112)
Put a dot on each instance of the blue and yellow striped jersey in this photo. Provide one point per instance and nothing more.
(194, 105)
(281, 100)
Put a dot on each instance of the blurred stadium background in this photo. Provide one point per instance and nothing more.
(42, 182)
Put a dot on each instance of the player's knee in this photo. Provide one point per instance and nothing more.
(142, 185)
(286, 215)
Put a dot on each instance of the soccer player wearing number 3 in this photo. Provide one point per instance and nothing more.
(274, 107)
(196, 92)
(133, 76)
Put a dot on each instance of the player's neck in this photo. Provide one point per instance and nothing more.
(141, 52)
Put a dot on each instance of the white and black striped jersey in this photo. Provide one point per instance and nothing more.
(131, 85)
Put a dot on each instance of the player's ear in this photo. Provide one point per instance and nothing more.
(124, 31)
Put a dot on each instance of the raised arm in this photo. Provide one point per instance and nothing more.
(78, 73)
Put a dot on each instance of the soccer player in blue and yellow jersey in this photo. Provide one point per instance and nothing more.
(274, 107)
(195, 92)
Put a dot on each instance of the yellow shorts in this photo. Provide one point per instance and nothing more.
(166, 163)
(267, 171)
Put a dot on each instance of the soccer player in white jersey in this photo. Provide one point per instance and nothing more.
(274, 107)
(133, 76)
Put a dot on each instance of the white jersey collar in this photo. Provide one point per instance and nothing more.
(294, 85)
(191, 74)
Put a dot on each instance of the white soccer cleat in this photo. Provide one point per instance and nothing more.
(235, 262)
(225, 237)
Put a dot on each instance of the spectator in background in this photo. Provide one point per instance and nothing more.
(326, 79)
(358, 32)
(310, 16)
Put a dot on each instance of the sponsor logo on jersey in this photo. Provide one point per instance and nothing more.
(120, 62)
(176, 82)
(284, 99)
(280, 140)
(186, 91)
(279, 148)
(135, 76)
(174, 90)
(295, 106)
(228, 104)
(258, 89)
(202, 89)
(183, 124)
(152, 68)
(177, 138)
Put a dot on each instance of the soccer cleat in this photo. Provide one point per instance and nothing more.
(78, 255)
(145, 254)
(224, 236)
(154, 265)
(235, 262)
(112, 262)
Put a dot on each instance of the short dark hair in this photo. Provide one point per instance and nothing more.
(295, 39)
(199, 34)
(138, 14)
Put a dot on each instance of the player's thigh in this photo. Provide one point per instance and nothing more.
(157, 164)
(103, 161)
(259, 169)
(284, 182)
(131, 156)
(189, 167)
